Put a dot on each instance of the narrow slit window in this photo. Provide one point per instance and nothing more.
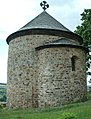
(73, 63)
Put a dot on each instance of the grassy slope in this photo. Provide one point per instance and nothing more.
(78, 110)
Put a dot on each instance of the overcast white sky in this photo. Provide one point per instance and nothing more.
(16, 13)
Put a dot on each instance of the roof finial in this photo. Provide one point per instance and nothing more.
(44, 5)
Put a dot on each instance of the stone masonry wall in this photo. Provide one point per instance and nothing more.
(34, 82)
(22, 70)
(57, 83)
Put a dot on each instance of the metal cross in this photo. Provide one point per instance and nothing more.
(44, 5)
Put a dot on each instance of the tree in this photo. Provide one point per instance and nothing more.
(90, 81)
(84, 30)
(3, 99)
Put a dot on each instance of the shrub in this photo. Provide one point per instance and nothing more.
(67, 115)
(3, 99)
(2, 105)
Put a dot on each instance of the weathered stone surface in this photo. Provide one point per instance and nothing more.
(43, 78)
(58, 84)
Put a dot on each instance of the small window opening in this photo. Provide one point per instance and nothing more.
(73, 63)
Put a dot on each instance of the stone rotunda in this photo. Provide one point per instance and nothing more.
(46, 65)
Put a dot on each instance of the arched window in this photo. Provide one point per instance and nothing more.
(73, 63)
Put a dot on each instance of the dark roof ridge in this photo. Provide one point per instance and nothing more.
(61, 45)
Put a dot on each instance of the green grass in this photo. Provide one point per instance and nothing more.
(72, 111)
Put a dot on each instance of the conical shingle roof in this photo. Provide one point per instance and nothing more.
(44, 21)
(44, 24)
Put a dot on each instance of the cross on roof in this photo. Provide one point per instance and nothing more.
(44, 5)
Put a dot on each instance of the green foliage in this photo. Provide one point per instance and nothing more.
(2, 105)
(3, 99)
(90, 79)
(2, 93)
(84, 30)
(89, 95)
